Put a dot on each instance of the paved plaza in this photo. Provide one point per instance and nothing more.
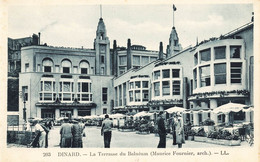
(119, 139)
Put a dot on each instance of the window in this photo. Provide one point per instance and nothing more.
(121, 70)
(47, 68)
(166, 73)
(66, 89)
(157, 89)
(137, 96)
(122, 60)
(104, 94)
(66, 70)
(176, 88)
(57, 68)
(66, 66)
(205, 55)
(236, 71)
(84, 70)
(196, 58)
(175, 73)
(195, 78)
(120, 95)
(145, 60)
(145, 95)
(104, 110)
(25, 93)
(220, 73)
(47, 90)
(153, 59)
(84, 91)
(137, 84)
(27, 67)
(156, 75)
(166, 88)
(220, 52)
(235, 51)
(205, 76)
(102, 59)
(136, 60)
(145, 84)
(131, 85)
(102, 71)
(131, 97)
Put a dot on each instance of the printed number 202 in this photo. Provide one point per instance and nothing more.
(46, 154)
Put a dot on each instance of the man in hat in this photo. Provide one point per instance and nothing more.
(106, 131)
(66, 134)
(77, 134)
(161, 130)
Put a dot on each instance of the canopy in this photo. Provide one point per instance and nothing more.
(118, 115)
(175, 109)
(143, 113)
(226, 108)
(249, 109)
(90, 117)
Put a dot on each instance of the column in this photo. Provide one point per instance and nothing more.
(247, 116)
(75, 112)
(57, 113)
(39, 111)
(213, 103)
(226, 118)
(195, 118)
(204, 115)
(214, 117)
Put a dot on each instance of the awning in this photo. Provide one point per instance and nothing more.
(175, 109)
(230, 107)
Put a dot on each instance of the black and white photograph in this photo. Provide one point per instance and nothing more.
(169, 78)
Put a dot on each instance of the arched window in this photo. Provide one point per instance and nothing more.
(66, 66)
(84, 67)
(47, 65)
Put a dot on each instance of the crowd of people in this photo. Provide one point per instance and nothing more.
(72, 131)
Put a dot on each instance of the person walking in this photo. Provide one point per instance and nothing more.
(40, 132)
(179, 131)
(66, 134)
(76, 135)
(106, 131)
(161, 131)
(174, 122)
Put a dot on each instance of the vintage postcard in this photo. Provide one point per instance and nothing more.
(129, 81)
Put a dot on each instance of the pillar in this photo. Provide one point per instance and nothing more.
(75, 112)
(226, 118)
(213, 103)
(247, 116)
(195, 118)
(204, 115)
(57, 113)
(39, 111)
(214, 117)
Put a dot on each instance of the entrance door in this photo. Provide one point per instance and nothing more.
(66, 113)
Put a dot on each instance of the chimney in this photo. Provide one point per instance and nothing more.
(161, 51)
(129, 54)
(39, 40)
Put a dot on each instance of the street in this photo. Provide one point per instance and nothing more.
(119, 139)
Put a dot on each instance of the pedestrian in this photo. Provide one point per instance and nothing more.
(179, 131)
(161, 130)
(174, 122)
(76, 134)
(40, 132)
(46, 129)
(66, 134)
(106, 131)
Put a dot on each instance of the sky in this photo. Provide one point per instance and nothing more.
(147, 25)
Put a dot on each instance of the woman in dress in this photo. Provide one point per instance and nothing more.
(179, 131)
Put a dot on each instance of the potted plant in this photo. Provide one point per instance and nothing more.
(208, 125)
(200, 135)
